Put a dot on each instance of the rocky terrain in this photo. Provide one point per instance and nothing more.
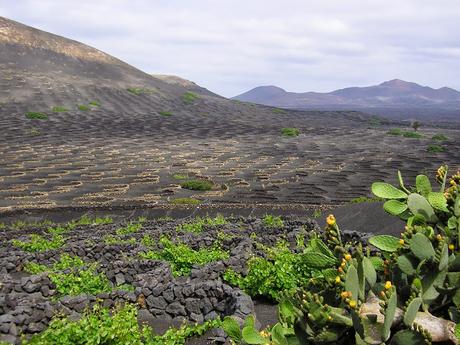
(28, 301)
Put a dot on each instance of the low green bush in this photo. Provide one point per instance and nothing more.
(395, 131)
(189, 97)
(95, 103)
(119, 326)
(290, 132)
(65, 261)
(83, 107)
(36, 115)
(272, 221)
(409, 134)
(182, 258)
(59, 109)
(279, 272)
(80, 281)
(165, 113)
(37, 243)
(435, 148)
(185, 201)
(198, 184)
(439, 137)
(199, 223)
(139, 90)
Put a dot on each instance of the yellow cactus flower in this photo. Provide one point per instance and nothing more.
(451, 246)
(352, 303)
(401, 242)
(344, 294)
(347, 257)
(388, 285)
(337, 279)
(330, 220)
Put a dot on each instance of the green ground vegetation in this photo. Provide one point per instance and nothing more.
(33, 115)
(290, 132)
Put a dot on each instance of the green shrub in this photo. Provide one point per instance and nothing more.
(39, 244)
(180, 177)
(197, 184)
(83, 107)
(189, 97)
(395, 131)
(81, 281)
(278, 111)
(129, 229)
(439, 137)
(165, 113)
(375, 122)
(279, 272)
(435, 148)
(139, 90)
(111, 240)
(415, 135)
(272, 221)
(119, 326)
(182, 258)
(185, 201)
(36, 116)
(58, 109)
(95, 103)
(65, 261)
(199, 223)
(290, 132)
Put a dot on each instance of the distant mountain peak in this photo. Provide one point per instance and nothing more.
(391, 93)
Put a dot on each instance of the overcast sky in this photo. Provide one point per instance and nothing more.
(231, 46)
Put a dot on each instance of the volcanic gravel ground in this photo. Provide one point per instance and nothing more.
(125, 153)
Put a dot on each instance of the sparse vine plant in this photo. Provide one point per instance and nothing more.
(392, 290)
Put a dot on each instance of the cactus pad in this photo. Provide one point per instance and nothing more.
(387, 191)
(386, 243)
(395, 207)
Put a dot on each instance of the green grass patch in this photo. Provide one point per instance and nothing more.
(182, 258)
(165, 113)
(37, 243)
(409, 134)
(185, 201)
(395, 131)
(83, 107)
(272, 221)
(189, 97)
(199, 223)
(439, 137)
(95, 103)
(435, 149)
(33, 115)
(290, 132)
(58, 109)
(198, 184)
(278, 111)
